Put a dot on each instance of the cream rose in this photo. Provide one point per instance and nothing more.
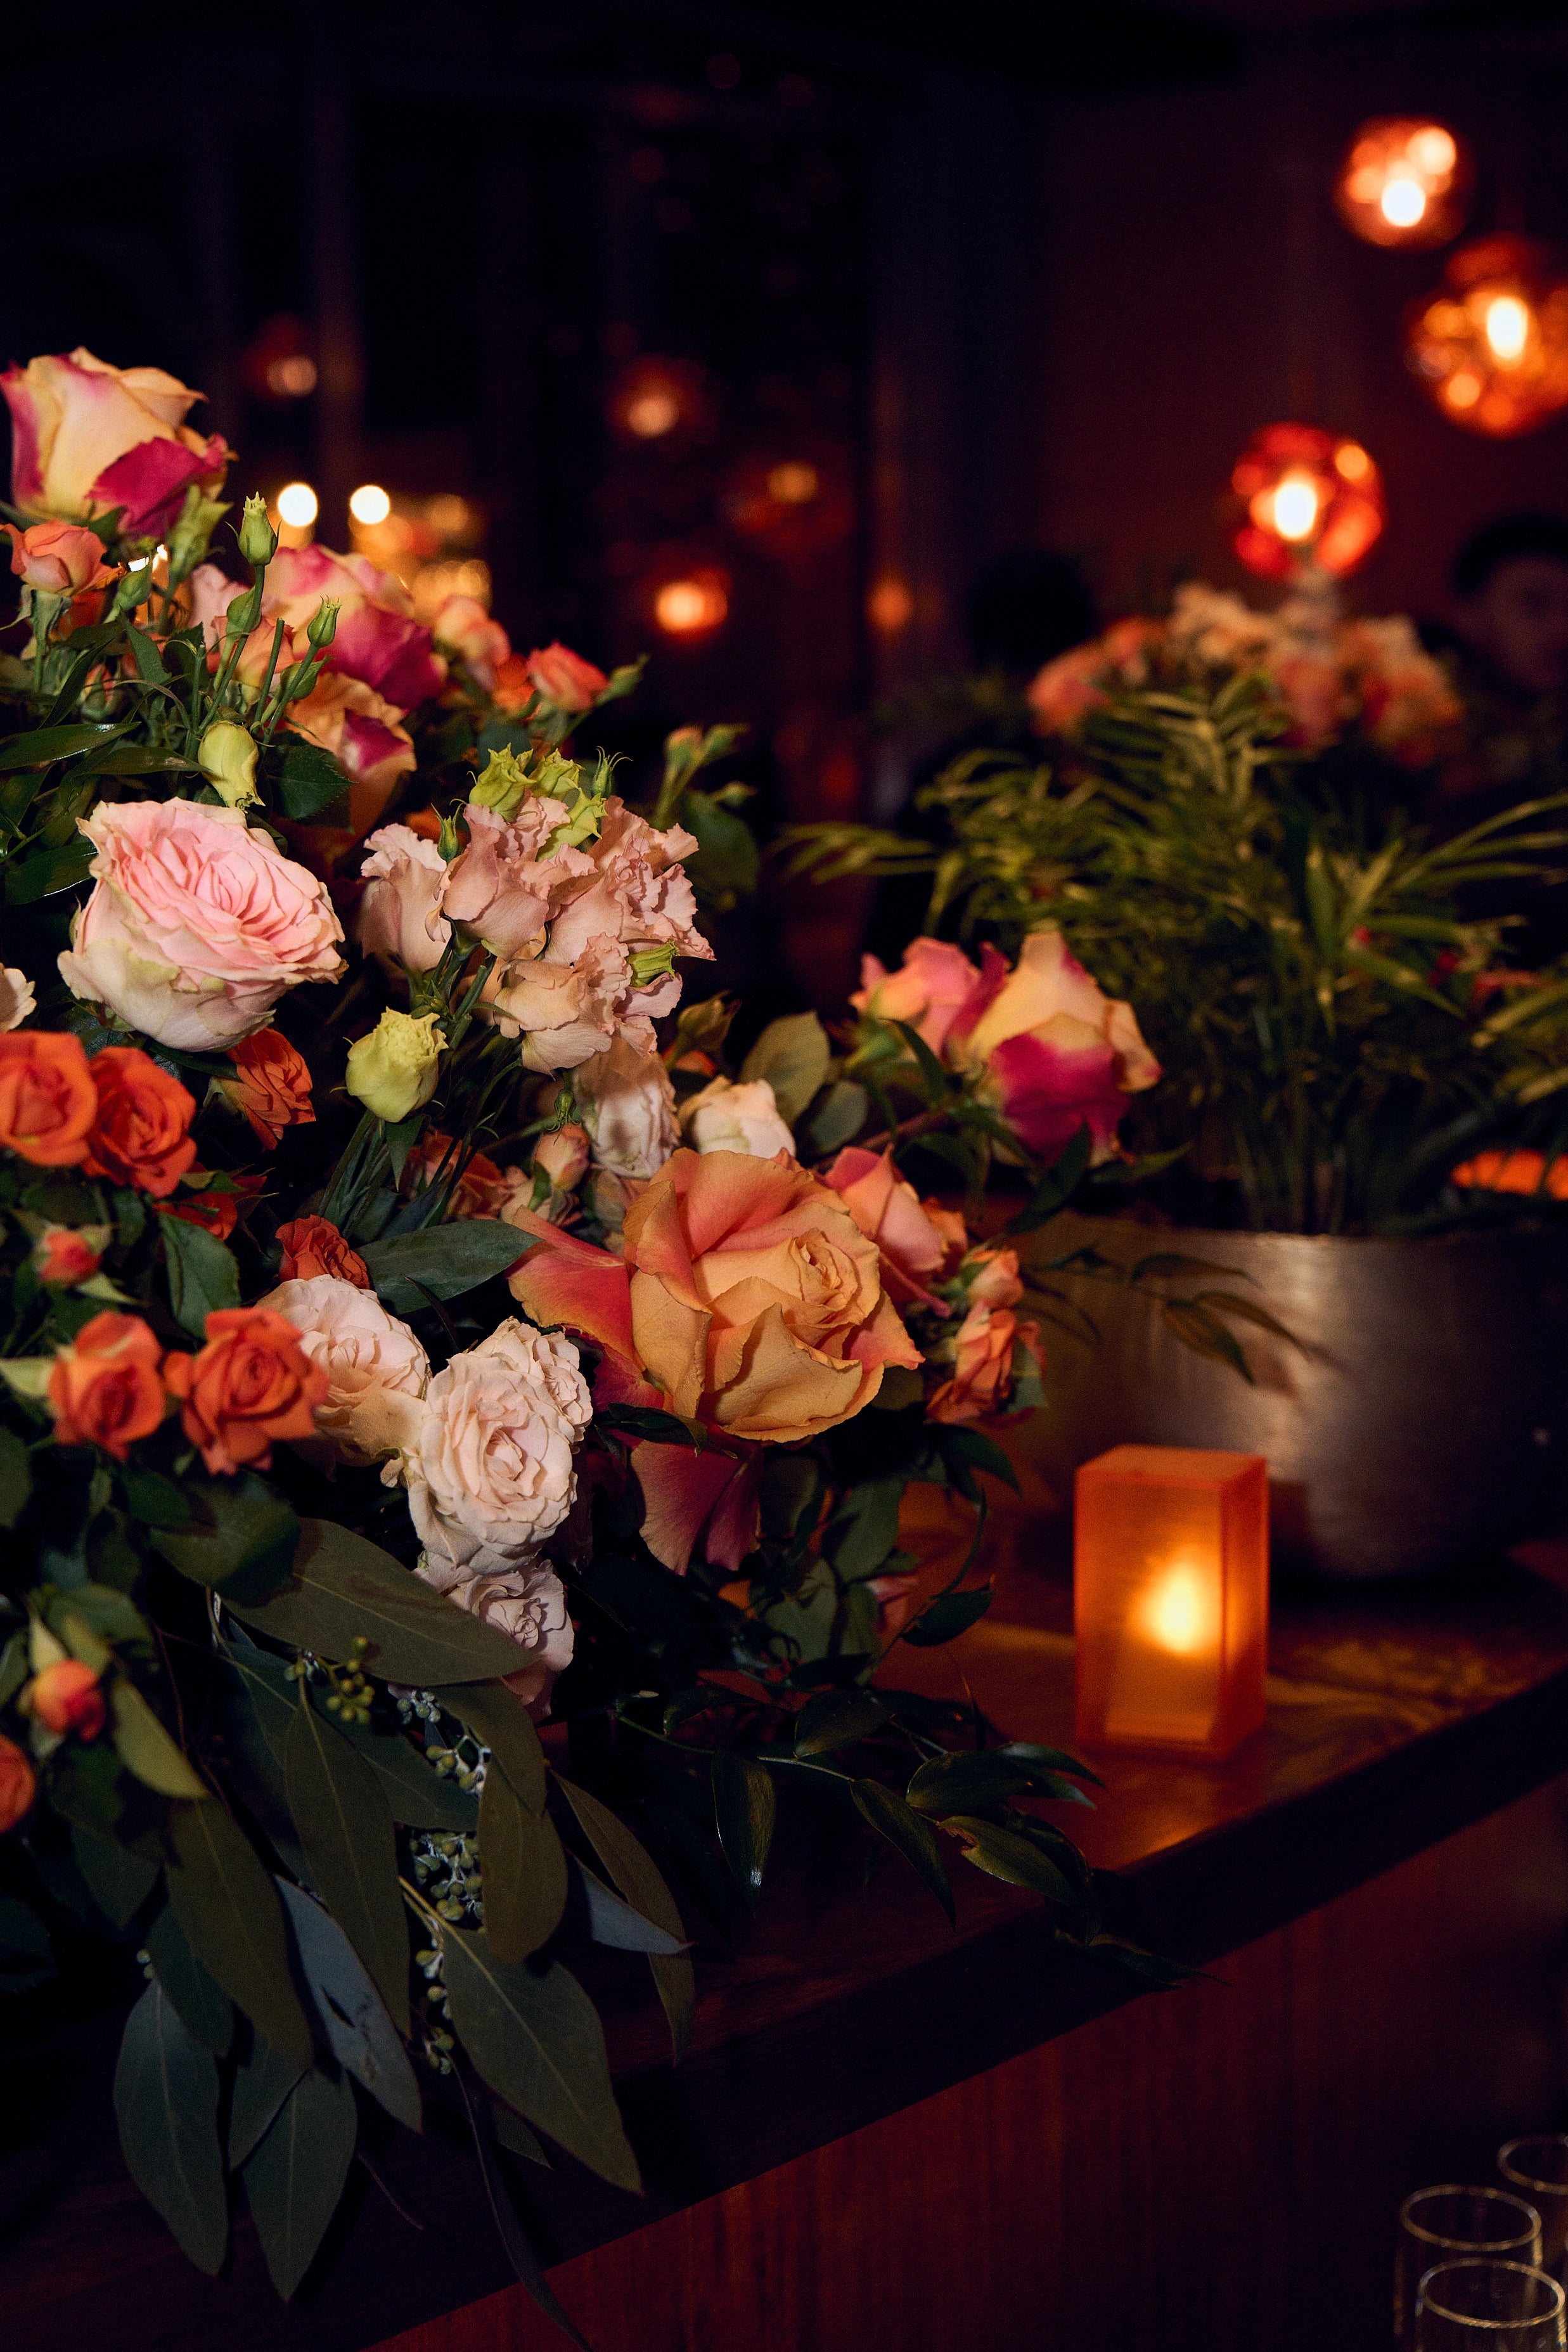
(197, 925)
(490, 1473)
(376, 1369)
(528, 1604)
(729, 1117)
(628, 1106)
(17, 1000)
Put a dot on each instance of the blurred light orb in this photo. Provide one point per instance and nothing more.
(793, 484)
(890, 607)
(693, 607)
(1306, 494)
(370, 503)
(1403, 181)
(1491, 346)
(292, 377)
(653, 413)
(298, 505)
(653, 399)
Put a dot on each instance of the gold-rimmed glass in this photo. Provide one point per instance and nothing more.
(1484, 2306)
(1449, 2224)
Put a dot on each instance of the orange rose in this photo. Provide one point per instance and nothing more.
(216, 1213)
(104, 1390)
(748, 1293)
(62, 1257)
(982, 1382)
(17, 1785)
(271, 1085)
(1514, 1172)
(66, 1698)
(141, 1133)
(47, 1100)
(313, 1246)
(251, 1383)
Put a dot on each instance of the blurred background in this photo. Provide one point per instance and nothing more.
(753, 339)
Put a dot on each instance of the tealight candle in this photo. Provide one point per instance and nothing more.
(1171, 1598)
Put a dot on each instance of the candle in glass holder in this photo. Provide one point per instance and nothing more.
(1171, 1598)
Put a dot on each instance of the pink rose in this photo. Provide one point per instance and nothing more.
(991, 1277)
(490, 1473)
(562, 1156)
(376, 1369)
(401, 913)
(1059, 1054)
(564, 679)
(377, 639)
(528, 1604)
(637, 895)
(934, 980)
(60, 558)
(196, 925)
(502, 886)
(983, 1358)
(628, 1106)
(351, 720)
(463, 625)
(888, 1212)
(86, 438)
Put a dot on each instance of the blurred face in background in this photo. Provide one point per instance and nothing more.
(1519, 621)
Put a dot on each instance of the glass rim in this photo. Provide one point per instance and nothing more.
(1479, 2247)
(1554, 2308)
(1533, 2179)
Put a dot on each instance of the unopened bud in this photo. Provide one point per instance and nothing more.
(226, 756)
(504, 786)
(393, 1070)
(563, 1156)
(244, 612)
(133, 590)
(323, 625)
(257, 539)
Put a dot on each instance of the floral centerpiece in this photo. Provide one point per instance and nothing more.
(453, 1420)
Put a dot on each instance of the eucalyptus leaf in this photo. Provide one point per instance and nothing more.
(498, 1717)
(793, 1055)
(614, 1923)
(166, 2103)
(521, 2252)
(203, 1275)
(295, 2177)
(205, 2007)
(642, 1883)
(228, 1907)
(523, 1869)
(744, 1808)
(513, 2133)
(147, 1749)
(261, 2085)
(441, 1261)
(904, 1831)
(346, 1587)
(120, 1881)
(359, 2031)
(345, 1827)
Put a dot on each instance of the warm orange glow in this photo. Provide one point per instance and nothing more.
(1171, 1598)
(652, 412)
(293, 377)
(296, 504)
(890, 607)
(1306, 493)
(693, 607)
(1491, 347)
(1403, 181)
(794, 484)
(654, 399)
(370, 503)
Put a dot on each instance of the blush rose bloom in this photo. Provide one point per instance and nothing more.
(1058, 1054)
(60, 559)
(197, 924)
(490, 1473)
(400, 914)
(377, 639)
(362, 732)
(628, 1108)
(251, 1384)
(87, 437)
(889, 1211)
(736, 1116)
(106, 1388)
(562, 677)
(376, 1370)
(503, 885)
(933, 980)
(18, 1000)
(465, 628)
(637, 895)
(528, 1604)
(983, 1355)
(747, 1292)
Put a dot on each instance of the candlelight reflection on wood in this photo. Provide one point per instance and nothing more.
(1171, 1598)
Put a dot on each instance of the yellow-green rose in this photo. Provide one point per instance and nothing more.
(393, 1071)
(226, 756)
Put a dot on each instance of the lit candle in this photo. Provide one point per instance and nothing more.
(1171, 1598)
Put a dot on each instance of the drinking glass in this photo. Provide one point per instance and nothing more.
(1536, 2168)
(1479, 2306)
(1447, 2224)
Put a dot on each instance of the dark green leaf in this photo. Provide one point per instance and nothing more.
(614, 1923)
(536, 2040)
(725, 863)
(442, 1261)
(500, 1720)
(147, 1748)
(239, 1536)
(640, 1880)
(359, 2031)
(296, 2176)
(419, 1796)
(966, 1782)
(43, 744)
(309, 780)
(839, 1117)
(145, 654)
(347, 1588)
(913, 1839)
(645, 1421)
(202, 1276)
(134, 759)
(793, 1055)
(934, 1078)
(204, 2006)
(836, 1719)
(47, 872)
(166, 2102)
(26, 1956)
(16, 1477)
(950, 1615)
(1048, 1761)
(156, 1501)
(744, 1808)
(972, 1446)
(345, 1826)
(864, 1529)
(514, 2134)
(229, 1909)
(261, 2085)
(1002, 1854)
(523, 1869)
(120, 1881)
(1057, 1186)
(521, 2252)
(271, 1692)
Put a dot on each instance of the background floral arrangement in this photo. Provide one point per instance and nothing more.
(447, 1417)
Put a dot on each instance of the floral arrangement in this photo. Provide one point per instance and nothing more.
(454, 1419)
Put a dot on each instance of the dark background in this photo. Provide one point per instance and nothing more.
(997, 276)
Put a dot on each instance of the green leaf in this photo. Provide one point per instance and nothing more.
(16, 1477)
(792, 1054)
(973, 1446)
(616, 1924)
(1044, 1762)
(726, 863)
(744, 1808)
(913, 1838)
(536, 2040)
(441, 1261)
(865, 1528)
(501, 1720)
(950, 1615)
(640, 1880)
(295, 2177)
(26, 1956)
(346, 1587)
(47, 872)
(155, 1500)
(836, 1719)
(120, 1881)
(839, 1117)
(147, 1749)
(420, 1797)
(345, 1827)
(145, 654)
(203, 1275)
(204, 2006)
(966, 1782)
(359, 2033)
(521, 2252)
(134, 759)
(261, 2085)
(239, 1536)
(309, 780)
(44, 744)
(271, 1693)
(1002, 1854)
(514, 2134)
(523, 1868)
(166, 2103)
(645, 1420)
(229, 1909)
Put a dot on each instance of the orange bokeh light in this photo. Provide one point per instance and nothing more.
(659, 400)
(1491, 346)
(1305, 493)
(1170, 1597)
(1404, 180)
(693, 605)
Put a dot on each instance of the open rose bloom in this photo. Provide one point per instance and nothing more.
(87, 439)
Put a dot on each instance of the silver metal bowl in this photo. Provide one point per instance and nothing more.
(1420, 1424)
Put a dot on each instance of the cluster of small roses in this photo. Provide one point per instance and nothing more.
(1332, 674)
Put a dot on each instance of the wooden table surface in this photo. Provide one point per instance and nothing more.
(1396, 1717)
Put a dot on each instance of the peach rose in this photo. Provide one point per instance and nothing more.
(490, 1473)
(377, 640)
(141, 1136)
(312, 1245)
(86, 438)
(364, 732)
(562, 1156)
(271, 1085)
(47, 1100)
(564, 1014)
(628, 1106)
(991, 1277)
(934, 978)
(747, 1292)
(376, 1369)
(19, 1785)
(888, 1212)
(528, 1604)
(105, 1387)
(18, 1002)
(66, 1698)
(400, 914)
(251, 1384)
(731, 1115)
(464, 627)
(196, 925)
(562, 677)
(503, 885)
(1059, 1054)
(982, 1377)
(60, 559)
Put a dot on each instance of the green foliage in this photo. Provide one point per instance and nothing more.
(345, 1826)
(295, 2177)
(347, 1590)
(166, 2103)
(792, 1054)
(202, 1276)
(441, 1262)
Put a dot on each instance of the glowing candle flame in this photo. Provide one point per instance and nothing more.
(1296, 507)
(296, 504)
(1179, 1613)
(370, 504)
(1402, 203)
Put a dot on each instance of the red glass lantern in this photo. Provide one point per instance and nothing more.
(1307, 495)
(1404, 180)
(1491, 346)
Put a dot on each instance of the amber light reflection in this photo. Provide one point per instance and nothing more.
(1403, 181)
(1491, 346)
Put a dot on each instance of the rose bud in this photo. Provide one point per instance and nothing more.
(66, 1698)
(257, 539)
(63, 1257)
(563, 1156)
(393, 1070)
(17, 1785)
(226, 756)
